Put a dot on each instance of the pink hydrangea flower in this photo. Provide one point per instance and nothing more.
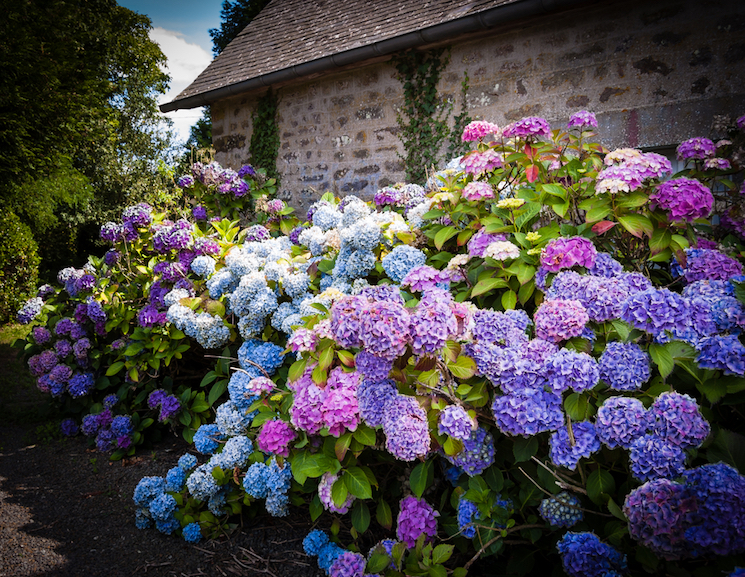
(527, 127)
(260, 385)
(478, 191)
(684, 198)
(275, 437)
(478, 129)
(562, 253)
(303, 340)
(477, 163)
(557, 320)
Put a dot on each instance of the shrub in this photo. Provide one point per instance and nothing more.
(19, 263)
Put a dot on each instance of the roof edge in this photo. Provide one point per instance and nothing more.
(503, 14)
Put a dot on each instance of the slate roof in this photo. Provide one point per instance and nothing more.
(308, 33)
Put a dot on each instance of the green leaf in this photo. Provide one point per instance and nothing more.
(637, 225)
(524, 449)
(662, 358)
(463, 367)
(217, 391)
(714, 390)
(615, 510)
(383, 514)
(443, 235)
(319, 375)
(360, 516)
(365, 435)
(357, 482)
(377, 563)
(326, 358)
(305, 464)
(600, 482)
(296, 370)
(487, 285)
(346, 358)
(509, 300)
(729, 447)
(114, 368)
(442, 553)
(418, 478)
(342, 445)
(554, 190)
(437, 570)
(576, 406)
(339, 492)
(660, 240)
(597, 214)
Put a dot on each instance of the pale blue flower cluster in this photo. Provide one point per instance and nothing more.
(270, 481)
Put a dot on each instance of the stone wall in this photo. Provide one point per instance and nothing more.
(654, 72)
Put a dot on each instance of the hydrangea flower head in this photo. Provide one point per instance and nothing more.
(624, 366)
(581, 119)
(477, 453)
(405, 427)
(401, 260)
(562, 510)
(477, 190)
(567, 450)
(563, 253)
(557, 320)
(584, 555)
(455, 422)
(653, 457)
(676, 418)
(416, 517)
(324, 494)
(478, 129)
(697, 148)
(528, 127)
(684, 198)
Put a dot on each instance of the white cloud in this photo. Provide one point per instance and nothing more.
(186, 61)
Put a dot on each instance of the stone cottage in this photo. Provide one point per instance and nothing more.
(655, 72)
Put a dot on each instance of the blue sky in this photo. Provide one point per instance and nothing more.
(181, 28)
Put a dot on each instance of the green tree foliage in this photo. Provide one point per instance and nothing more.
(18, 264)
(79, 123)
(235, 17)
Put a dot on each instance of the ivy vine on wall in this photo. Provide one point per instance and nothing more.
(423, 117)
(264, 146)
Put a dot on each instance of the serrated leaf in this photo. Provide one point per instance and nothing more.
(576, 406)
(452, 446)
(342, 445)
(662, 358)
(636, 224)
(443, 235)
(487, 285)
(217, 391)
(615, 510)
(597, 214)
(339, 492)
(377, 563)
(660, 240)
(418, 478)
(509, 300)
(296, 370)
(114, 368)
(463, 367)
(442, 553)
(365, 435)
(524, 449)
(383, 514)
(357, 482)
(360, 516)
(600, 482)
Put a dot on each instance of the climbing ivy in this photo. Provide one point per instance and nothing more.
(423, 117)
(456, 146)
(264, 146)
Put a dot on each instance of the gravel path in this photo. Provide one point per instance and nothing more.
(67, 511)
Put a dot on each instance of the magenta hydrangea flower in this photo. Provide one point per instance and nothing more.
(306, 411)
(275, 437)
(562, 253)
(340, 409)
(416, 517)
(697, 148)
(478, 129)
(527, 127)
(581, 119)
(684, 198)
(557, 320)
(717, 164)
(478, 190)
(324, 494)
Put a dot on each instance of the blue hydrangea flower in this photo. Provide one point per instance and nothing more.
(207, 438)
(314, 542)
(722, 352)
(562, 510)
(192, 533)
(620, 421)
(175, 479)
(566, 451)
(653, 457)
(201, 484)
(239, 390)
(477, 454)
(187, 462)
(372, 398)
(656, 311)
(568, 369)
(254, 352)
(527, 412)
(584, 555)
(328, 554)
(148, 489)
(277, 504)
(231, 420)
(162, 507)
(255, 481)
(235, 453)
(401, 260)
(624, 366)
(467, 512)
(676, 418)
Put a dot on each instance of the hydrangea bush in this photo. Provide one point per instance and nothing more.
(534, 357)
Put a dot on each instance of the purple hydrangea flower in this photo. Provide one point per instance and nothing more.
(372, 398)
(69, 427)
(372, 367)
(385, 329)
(656, 310)
(455, 422)
(415, 517)
(581, 119)
(697, 148)
(676, 418)
(571, 370)
(684, 198)
(528, 127)
(723, 352)
(527, 412)
(477, 454)
(405, 427)
(324, 494)
(348, 564)
(708, 264)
